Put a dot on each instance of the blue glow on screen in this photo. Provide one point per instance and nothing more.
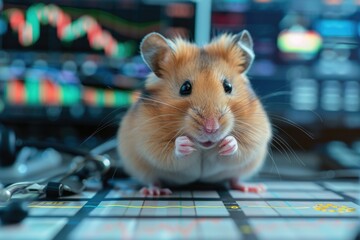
(336, 28)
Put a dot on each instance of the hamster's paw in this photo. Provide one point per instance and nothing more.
(228, 146)
(155, 191)
(183, 146)
(245, 187)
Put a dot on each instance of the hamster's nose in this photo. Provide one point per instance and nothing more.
(211, 125)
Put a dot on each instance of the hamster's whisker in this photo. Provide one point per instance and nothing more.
(162, 125)
(157, 116)
(248, 129)
(112, 122)
(160, 102)
(248, 125)
(102, 125)
(156, 104)
(286, 145)
(271, 156)
(291, 123)
(286, 148)
(241, 139)
(244, 143)
(168, 127)
(110, 113)
(267, 104)
(249, 132)
(243, 108)
(275, 94)
(293, 139)
(287, 121)
(278, 142)
(250, 116)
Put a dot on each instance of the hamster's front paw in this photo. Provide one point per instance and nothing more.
(228, 146)
(183, 146)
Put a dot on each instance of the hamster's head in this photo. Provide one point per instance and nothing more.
(202, 92)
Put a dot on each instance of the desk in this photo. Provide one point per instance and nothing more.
(288, 210)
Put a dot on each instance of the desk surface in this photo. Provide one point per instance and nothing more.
(288, 210)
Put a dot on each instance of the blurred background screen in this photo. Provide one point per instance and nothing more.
(307, 48)
(71, 67)
(75, 53)
(307, 75)
(75, 63)
(69, 70)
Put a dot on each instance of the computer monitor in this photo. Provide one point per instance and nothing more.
(307, 57)
(72, 61)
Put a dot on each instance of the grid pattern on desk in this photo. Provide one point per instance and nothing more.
(287, 210)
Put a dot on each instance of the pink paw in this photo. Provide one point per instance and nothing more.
(183, 146)
(155, 191)
(243, 187)
(228, 146)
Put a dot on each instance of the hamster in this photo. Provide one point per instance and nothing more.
(198, 118)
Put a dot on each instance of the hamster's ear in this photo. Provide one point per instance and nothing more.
(245, 42)
(156, 50)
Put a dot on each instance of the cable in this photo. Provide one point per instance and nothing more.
(102, 163)
(100, 149)
(105, 146)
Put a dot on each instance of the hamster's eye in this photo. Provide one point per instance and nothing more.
(227, 86)
(185, 89)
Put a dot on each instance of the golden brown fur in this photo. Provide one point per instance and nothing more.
(147, 133)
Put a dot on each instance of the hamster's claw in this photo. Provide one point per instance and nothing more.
(243, 187)
(183, 146)
(155, 191)
(228, 146)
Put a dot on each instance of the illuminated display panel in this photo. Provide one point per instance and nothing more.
(307, 56)
(66, 53)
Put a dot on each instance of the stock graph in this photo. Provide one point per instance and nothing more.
(28, 27)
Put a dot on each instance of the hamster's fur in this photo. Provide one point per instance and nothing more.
(219, 131)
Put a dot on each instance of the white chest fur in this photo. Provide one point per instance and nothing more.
(205, 166)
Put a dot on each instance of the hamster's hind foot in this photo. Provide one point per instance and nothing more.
(246, 187)
(155, 191)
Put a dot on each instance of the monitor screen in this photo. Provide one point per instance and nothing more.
(77, 60)
(307, 66)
